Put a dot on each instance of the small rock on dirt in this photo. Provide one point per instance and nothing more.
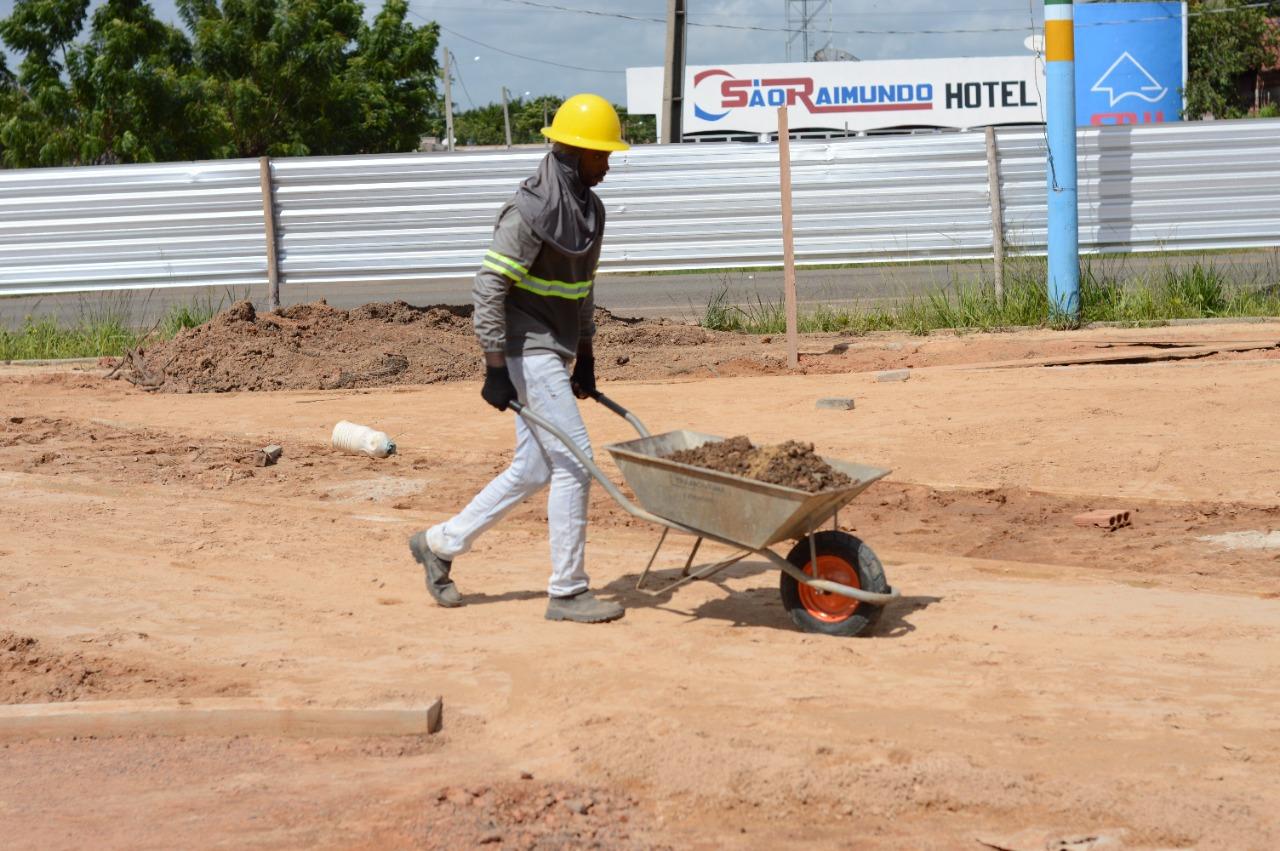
(579, 807)
(267, 455)
(894, 375)
(836, 403)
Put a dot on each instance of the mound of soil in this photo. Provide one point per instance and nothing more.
(315, 346)
(792, 464)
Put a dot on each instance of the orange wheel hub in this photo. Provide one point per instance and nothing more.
(824, 605)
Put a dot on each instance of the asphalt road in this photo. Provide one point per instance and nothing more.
(679, 296)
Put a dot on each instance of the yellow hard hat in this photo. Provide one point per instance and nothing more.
(587, 121)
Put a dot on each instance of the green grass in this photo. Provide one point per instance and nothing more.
(101, 329)
(46, 340)
(1108, 294)
(189, 315)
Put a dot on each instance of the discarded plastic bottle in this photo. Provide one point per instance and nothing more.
(362, 440)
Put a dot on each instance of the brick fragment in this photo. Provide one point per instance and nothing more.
(1106, 518)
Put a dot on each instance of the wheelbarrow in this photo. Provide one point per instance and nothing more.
(831, 581)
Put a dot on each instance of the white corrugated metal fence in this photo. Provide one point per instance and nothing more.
(410, 217)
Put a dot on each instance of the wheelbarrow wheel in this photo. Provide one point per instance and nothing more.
(841, 558)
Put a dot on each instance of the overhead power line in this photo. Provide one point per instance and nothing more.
(505, 52)
(535, 4)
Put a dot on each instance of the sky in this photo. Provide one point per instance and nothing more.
(481, 35)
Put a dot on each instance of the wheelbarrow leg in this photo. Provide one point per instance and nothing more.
(649, 566)
(689, 560)
(684, 572)
(702, 573)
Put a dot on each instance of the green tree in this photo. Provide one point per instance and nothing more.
(8, 97)
(39, 128)
(528, 117)
(134, 89)
(389, 84)
(252, 77)
(311, 77)
(1225, 39)
(483, 125)
(638, 129)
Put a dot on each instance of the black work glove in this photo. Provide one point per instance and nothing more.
(498, 389)
(583, 379)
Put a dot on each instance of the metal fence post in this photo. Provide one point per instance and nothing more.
(997, 212)
(269, 224)
(1060, 137)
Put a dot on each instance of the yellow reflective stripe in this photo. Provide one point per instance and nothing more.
(538, 287)
(569, 285)
(502, 270)
(502, 258)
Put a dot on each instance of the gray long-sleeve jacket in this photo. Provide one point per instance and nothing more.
(530, 297)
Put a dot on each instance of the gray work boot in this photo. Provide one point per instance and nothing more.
(583, 607)
(439, 585)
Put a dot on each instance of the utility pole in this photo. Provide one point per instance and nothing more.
(672, 118)
(506, 116)
(1060, 132)
(448, 104)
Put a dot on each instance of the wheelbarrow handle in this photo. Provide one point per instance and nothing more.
(622, 412)
(533, 418)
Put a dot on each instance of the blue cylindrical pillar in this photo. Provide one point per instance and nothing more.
(1064, 217)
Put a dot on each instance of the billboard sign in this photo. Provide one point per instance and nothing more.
(1130, 62)
(852, 96)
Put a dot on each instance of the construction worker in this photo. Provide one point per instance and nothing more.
(533, 315)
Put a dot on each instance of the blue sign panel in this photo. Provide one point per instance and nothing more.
(1130, 62)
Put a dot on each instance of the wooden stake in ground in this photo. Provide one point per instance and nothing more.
(997, 213)
(788, 238)
(269, 225)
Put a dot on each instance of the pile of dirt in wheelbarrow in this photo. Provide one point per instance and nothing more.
(792, 464)
(315, 346)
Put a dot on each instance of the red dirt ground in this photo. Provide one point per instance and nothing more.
(1039, 685)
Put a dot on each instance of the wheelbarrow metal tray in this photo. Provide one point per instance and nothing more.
(738, 510)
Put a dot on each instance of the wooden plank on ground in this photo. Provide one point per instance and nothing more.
(1124, 357)
(212, 717)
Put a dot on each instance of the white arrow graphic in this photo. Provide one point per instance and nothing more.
(1151, 92)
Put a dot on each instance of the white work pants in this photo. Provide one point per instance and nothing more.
(542, 380)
